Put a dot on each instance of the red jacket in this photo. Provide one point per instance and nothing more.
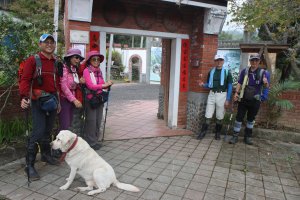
(29, 72)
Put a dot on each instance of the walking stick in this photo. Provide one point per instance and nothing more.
(27, 137)
(108, 90)
(230, 119)
(83, 110)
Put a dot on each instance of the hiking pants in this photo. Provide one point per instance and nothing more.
(42, 125)
(92, 124)
(251, 107)
(215, 101)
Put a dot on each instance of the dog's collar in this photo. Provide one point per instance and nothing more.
(64, 154)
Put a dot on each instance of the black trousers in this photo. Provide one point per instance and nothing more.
(251, 107)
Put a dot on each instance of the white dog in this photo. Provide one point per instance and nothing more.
(83, 160)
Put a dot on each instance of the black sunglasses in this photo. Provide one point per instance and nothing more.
(76, 57)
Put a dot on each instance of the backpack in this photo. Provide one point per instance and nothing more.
(247, 92)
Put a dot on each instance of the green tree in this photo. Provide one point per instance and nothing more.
(280, 20)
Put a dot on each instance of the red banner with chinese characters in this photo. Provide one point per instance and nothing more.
(94, 41)
(184, 65)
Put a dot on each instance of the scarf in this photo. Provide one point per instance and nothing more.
(211, 77)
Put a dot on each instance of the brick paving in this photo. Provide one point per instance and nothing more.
(170, 168)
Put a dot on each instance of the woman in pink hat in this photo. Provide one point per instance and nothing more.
(94, 84)
(69, 82)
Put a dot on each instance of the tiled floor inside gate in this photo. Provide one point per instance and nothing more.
(137, 119)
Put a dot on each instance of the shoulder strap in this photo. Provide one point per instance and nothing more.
(38, 63)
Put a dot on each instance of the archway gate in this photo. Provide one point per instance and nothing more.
(189, 31)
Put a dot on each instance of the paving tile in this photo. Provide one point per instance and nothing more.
(292, 197)
(235, 194)
(255, 190)
(209, 196)
(48, 190)
(289, 182)
(254, 182)
(20, 193)
(203, 172)
(236, 186)
(254, 197)
(158, 186)
(175, 190)
(186, 176)
(170, 197)
(110, 194)
(37, 196)
(198, 186)
(151, 195)
(220, 176)
(142, 182)
(272, 179)
(180, 182)
(238, 177)
(291, 190)
(64, 194)
(274, 194)
(273, 186)
(193, 194)
(252, 175)
(7, 188)
(217, 182)
(215, 190)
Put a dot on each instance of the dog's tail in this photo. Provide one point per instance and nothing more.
(125, 186)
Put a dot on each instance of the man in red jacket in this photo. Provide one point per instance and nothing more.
(36, 85)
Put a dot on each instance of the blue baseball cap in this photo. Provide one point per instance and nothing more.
(45, 36)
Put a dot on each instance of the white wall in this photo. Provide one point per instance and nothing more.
(127, 53)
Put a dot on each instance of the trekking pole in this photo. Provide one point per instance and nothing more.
(108, 90)
(230, 119)
(27, 138)
(83, 111)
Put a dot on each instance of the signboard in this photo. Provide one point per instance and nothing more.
(184, 65)
(81, 37)
(94, 41)
(80, 10)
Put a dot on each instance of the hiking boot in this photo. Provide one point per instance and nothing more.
(247, 137)
(30, 161)
(46, 154)
(96, 146)
(218, 131)
(235, 138)
(203, 131)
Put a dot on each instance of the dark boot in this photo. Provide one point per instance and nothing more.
(235, 138)
(203, 131)
(218, 131)
(248, 136)
(30, 160)
(46, 154)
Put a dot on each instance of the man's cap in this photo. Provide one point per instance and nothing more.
(219, 57)
(45, 36)
(254, 56)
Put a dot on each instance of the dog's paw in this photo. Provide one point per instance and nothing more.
(64, 187)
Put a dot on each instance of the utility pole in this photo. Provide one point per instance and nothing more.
(111, 41)
(56, 13)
